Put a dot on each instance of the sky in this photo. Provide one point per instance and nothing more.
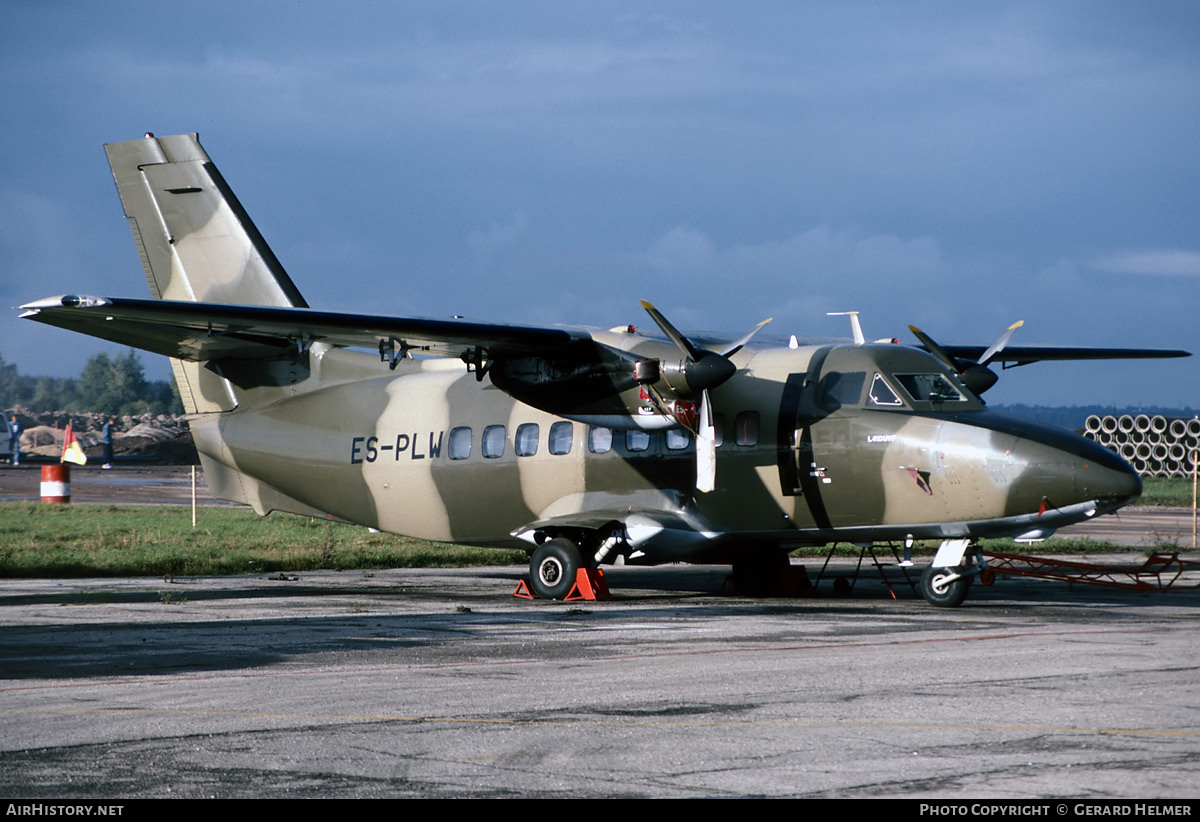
(955, 166)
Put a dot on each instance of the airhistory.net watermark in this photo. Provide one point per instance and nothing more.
(51, 809)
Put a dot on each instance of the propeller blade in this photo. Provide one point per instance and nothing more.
(706, 448)
(672, 333)
(1000, 342)
(735, 347)
(935, 349)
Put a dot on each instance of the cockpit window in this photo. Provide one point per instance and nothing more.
(881, 394)
(842, 388)
(931, 388)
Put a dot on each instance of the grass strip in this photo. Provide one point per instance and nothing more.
(38, 540)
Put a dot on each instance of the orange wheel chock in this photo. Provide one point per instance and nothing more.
(589, 585)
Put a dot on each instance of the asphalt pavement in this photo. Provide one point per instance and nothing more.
(439, 683)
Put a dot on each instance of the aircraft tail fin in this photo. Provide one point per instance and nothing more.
(196, 243)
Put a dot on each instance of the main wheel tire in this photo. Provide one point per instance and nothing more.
(941, 591)
(553, 568)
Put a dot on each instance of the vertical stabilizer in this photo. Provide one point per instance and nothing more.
(196, 243)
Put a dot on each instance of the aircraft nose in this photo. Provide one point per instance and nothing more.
(1109, 480)
(1095, 472)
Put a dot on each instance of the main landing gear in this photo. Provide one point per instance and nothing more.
(946, 580)
(553, 568)
(558, 570)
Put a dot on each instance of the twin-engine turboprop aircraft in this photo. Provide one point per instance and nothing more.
(583, 446)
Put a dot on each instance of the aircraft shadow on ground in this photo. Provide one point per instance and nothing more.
(145, 647)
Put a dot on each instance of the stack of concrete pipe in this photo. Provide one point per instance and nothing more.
(1154, 445)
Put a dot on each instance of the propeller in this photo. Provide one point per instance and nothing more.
(1001, 341)
(697, 373)
(975, 375)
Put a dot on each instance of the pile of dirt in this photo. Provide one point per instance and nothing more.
(159, 438)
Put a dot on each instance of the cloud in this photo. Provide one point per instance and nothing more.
(799, 277)
(683, 249)
(486, 243)
(821, 252)
(1151, 262)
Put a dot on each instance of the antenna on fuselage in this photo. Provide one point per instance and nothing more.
(855, 326)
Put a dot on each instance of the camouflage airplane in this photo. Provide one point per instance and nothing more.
(585, 447)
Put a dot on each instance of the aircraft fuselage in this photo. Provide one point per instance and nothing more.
(430, 451)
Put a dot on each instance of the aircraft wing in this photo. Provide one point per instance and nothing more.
(1015, 355)
(211, 331)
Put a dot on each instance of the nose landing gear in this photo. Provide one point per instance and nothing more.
(945, 582)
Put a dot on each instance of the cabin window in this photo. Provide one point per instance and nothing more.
(600, 440)
(930, 388)
(719, 428)
(882, 394)
(678, 439)
(492, 443)
(637, 440)
(525, 443)
(745, 428)
(459, 446)
(560, 438)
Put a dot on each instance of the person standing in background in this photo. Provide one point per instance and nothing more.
(14, 440)
(106, 437)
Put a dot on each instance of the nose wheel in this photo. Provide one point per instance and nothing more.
(944, 587)
(945, 582)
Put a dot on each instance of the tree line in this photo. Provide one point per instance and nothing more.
(114, 385)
